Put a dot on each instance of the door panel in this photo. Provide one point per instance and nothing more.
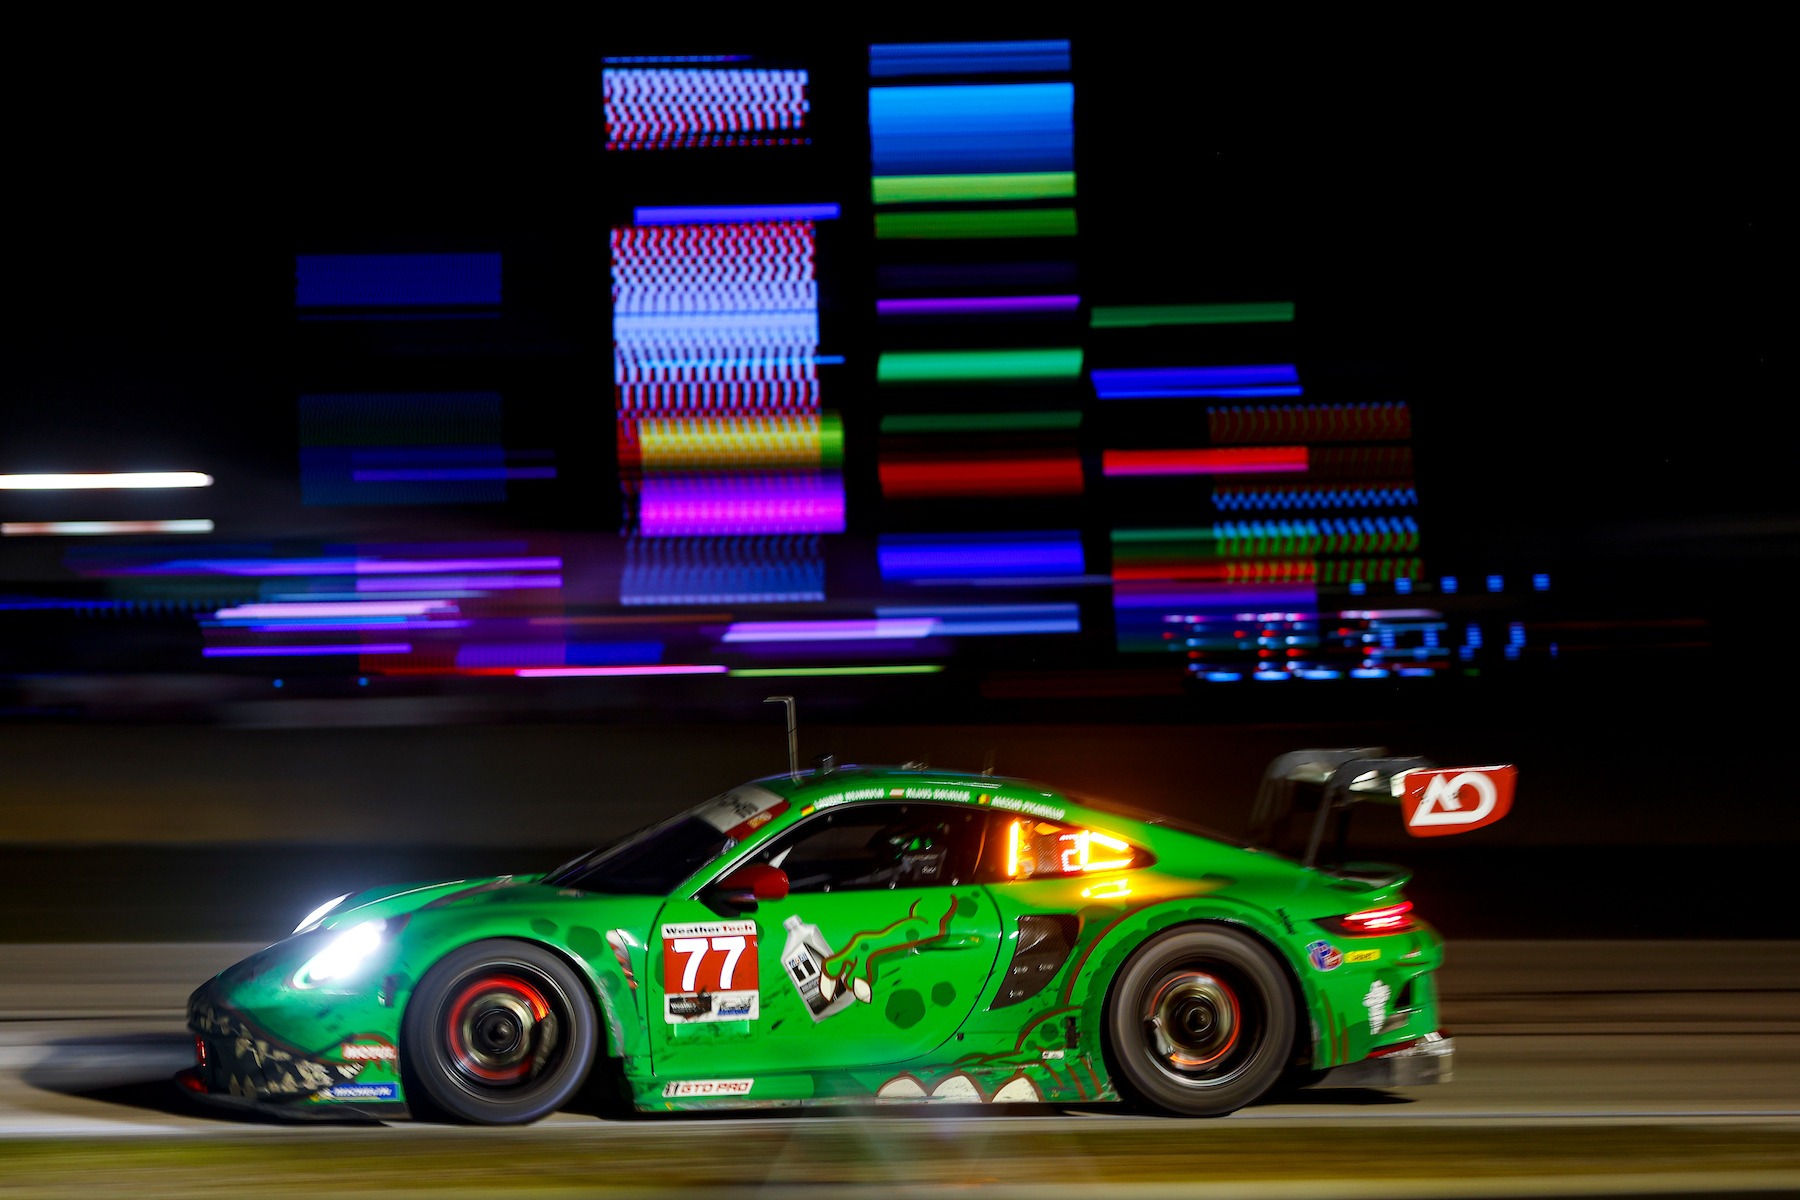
(857, 978)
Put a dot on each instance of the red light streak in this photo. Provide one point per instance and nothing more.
(1228, 460)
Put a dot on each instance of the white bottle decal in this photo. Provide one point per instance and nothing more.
(803, 958)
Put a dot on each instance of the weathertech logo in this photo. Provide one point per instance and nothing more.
(1456, 799)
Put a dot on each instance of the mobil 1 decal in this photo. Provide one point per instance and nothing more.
(829, 982)
(709, 972)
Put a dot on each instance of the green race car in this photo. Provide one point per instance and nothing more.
(867, 934)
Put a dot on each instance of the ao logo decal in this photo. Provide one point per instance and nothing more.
(1456, 799)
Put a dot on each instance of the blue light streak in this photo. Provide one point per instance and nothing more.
(393, 280)
(913, 556)
(967, 58)
(982, 128)
(1172, 383)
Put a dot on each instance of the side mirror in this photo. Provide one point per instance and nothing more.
(751, 883)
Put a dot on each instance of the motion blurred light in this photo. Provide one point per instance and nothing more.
(312, 919)
(116, 479)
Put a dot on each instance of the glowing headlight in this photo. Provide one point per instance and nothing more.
(318, 914)
(342, 956)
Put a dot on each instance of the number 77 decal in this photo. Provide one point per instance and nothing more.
(710, 972)
(696, 949)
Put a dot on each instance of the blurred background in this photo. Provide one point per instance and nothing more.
(424, 454)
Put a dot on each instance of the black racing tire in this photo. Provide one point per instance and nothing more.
(499, 1032)
(1200, 1022)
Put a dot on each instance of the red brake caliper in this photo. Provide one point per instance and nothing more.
(512, 984)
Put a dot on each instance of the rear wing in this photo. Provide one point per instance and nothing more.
(1434, 800)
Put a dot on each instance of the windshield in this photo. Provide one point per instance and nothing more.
(654, 860)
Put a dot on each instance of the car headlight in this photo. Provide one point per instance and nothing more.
(342, 956)
(318, 914)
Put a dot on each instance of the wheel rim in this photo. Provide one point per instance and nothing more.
(502, 1028)
(1193, 1024)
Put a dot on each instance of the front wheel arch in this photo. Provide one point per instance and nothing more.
(420, 1053)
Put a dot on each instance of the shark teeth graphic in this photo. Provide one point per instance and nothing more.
(256, 1065)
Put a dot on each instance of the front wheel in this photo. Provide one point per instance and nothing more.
(1200, 1021)
(498, 1032)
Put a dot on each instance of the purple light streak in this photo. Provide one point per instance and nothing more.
(408, 583)
(335, 566)
(826, 631)
(354, 626)
(570, 672)
(298, 651)
(336, 608)
(698, 506)
(976, 305)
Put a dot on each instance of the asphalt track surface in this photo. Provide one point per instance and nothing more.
(1583, 1068)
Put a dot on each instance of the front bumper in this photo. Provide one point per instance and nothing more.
(244, 1066)
(1415, 1063)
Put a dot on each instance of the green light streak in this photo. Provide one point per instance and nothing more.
(1140, 316)
(977, 223)
(1274, 541)
(998, 422)
(786, 672)
(1038, 185)
(977, 366)
(831, 441)
(1162, 535)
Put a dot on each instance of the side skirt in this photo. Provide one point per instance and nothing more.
(1074, 1079)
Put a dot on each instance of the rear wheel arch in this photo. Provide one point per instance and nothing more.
(1302, 1002)
(1285, 979)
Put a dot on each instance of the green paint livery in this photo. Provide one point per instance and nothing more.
(989, 941)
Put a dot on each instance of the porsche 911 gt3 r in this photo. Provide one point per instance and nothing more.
(866, 934)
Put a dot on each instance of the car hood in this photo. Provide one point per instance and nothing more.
(393, 900)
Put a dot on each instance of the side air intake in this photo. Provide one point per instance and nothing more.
(1043, 946)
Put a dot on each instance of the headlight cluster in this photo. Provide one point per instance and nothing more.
(342, 956)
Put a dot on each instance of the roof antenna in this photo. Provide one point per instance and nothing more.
(793, 731)
(987, 766)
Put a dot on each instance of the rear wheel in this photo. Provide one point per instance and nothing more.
(1200, 1021)
(498, 1033)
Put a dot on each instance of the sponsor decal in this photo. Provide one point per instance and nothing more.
(803, 960)
(1376, 1001)
(742, 811)
(1361, 956)
(1455, 799)
(1054, 1054)
(1324, 955)
(707, 1087)
(362, 1091)
(845, 797)
(1031, 808)
(710, 972)
(368, 1048)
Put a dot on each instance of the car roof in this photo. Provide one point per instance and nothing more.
(793, 784)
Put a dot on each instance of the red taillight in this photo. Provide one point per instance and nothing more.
(200, 1050)
(1373, 922)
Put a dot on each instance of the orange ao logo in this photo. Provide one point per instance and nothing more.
(1456, 799)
